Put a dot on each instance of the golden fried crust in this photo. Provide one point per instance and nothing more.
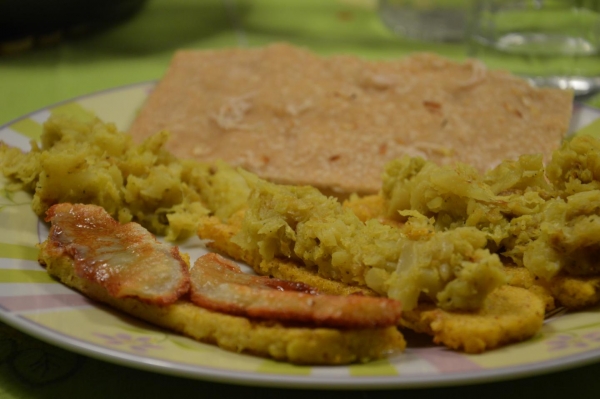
(211, 228)
(367, 207)
(569, 291)
(522, 277)
(576, 292)
(294, 344)
(289, 270)
(509, 314)
(219, 235)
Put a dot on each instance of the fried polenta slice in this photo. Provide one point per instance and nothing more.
(576, 292)
(301, 345)
(509, 314)
(522, 277)
(220, 234)
(572, 292)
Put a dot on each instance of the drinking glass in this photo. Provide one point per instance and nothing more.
(551, 42)
(427, 20)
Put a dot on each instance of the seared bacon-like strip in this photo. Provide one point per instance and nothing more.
(125, 259)
(220, 285)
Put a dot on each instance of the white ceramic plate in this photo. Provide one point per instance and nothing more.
(36, 304)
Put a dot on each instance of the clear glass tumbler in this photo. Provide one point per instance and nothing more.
(552, 42)
(427, 20)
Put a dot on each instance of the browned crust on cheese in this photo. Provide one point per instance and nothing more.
(291, 116)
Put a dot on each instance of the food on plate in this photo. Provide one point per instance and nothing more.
(546, 219)
(293, 117)
(452, 268)
(89, 251)
(218, 238)
(521, 277)
(482, 312)
(438, 239)
(220, 285)
(462, 250)
(508, 314)
(576, 292)
(124, 259)
(93, 162)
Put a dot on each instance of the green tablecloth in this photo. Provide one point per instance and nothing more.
(140, 50)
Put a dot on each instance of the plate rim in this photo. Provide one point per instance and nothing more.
(142, 83)
(250, 378)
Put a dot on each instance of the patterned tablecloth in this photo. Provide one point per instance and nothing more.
(139, 50)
